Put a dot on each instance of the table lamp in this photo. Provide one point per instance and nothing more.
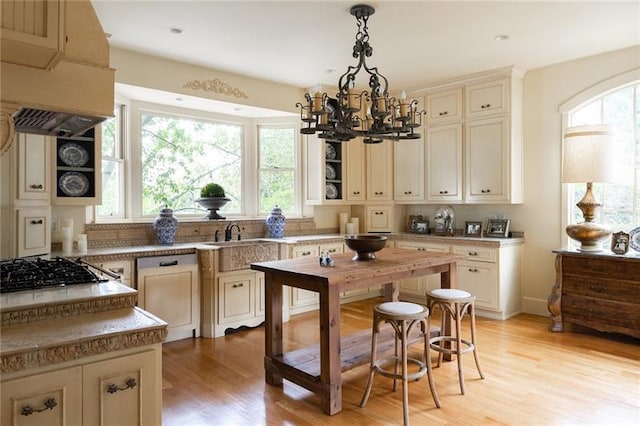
(588, 158)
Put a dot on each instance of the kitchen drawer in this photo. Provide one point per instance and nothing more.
(475, 253)
(589, 311)
(601, 288)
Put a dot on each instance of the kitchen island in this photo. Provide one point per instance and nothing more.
(301, 368)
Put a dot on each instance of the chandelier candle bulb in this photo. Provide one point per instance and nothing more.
(317, 102)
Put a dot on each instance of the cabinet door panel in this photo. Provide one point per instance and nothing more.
(169, 296)
(487, 98)
(61, 389)
(380, 171)
(480, 279)
(116, 391)
(355, 170)
(487, 160)
(409, 170)
(444, 156)
(34, 231)
(33, 173)
(445, 106)
(236, 297)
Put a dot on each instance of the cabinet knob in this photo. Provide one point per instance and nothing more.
(485, 191)
(129, 384)
(28, 410)
(37, 222)
(38, 186)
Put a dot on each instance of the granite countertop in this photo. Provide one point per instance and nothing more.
(58, 324)
(191, 247)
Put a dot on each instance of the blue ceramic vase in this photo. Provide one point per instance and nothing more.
(166, 226)
(276, 222)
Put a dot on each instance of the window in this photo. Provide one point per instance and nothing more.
(277, 172)
(113, 166)
(621, 202)
(155, 155)
(179, 155)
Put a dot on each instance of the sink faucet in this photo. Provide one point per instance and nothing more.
(227, 232)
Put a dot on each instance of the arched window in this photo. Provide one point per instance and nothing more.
(616, 103)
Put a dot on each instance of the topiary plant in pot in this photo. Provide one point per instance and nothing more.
(212, 198)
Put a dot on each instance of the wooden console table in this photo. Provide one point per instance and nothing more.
(323, 376)
(596, 290)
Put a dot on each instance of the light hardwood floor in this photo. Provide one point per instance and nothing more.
(532, 377)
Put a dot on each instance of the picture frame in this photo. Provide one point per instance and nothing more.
(620, 242)
(497, 228)
(411, 224)
(473, 229)
(422, 227)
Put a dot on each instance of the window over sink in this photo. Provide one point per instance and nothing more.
(155, 155)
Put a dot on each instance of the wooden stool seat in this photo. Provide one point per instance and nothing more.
(402, 316)
(455, 303)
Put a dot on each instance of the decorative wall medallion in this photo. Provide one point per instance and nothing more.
(216, 86)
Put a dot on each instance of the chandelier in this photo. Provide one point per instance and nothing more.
(372, 115)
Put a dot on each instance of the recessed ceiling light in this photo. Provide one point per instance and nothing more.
(502, 37)
(175, 30)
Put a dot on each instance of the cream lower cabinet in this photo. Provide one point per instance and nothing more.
(171, 292)
(301, 300)
(122, 390)
(415, 289)
(122, 268)
(492, 274)
(240, 300)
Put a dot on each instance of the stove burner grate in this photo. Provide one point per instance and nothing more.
(34, 273)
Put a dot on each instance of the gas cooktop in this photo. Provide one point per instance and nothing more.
(31, 273)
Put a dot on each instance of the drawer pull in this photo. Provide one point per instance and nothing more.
(473, 253)
(38, 186)
(444, 192)
(356, 192)
(485, 106)
(598, 289)
(129, 384)
(306, 253)
(37, 222)
(473, 270)
(485, 191)
(27, 410)
(238, 285)
(332, 250)
(172, 263)
(443, 113)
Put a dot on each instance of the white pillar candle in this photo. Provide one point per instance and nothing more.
(350, 228)
(66, 232)
(344, 218)
(67, 223)
(356, 225)
(82, 246)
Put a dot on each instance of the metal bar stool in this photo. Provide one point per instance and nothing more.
(402, 316)
(455, 303)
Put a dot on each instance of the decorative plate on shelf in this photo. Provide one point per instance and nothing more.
(330, 171)
(634, 239)
(73, 155)
(331, 152)
(331, 191)
(73, 184)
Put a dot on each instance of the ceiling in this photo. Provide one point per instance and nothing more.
(305, 43)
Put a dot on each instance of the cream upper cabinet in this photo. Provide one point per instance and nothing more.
(380, 171)
(32, 32)
(379, 218)
(33, 167)
(444, 106)
(355, 170)
(487, 98)
(444, 160)
(487, 161)
(409, 160)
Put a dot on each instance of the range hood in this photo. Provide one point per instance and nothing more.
(29, 120)
(57, 82)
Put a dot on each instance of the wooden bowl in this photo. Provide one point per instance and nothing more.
(365, 246)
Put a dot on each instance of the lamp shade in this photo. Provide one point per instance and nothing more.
(588, 155)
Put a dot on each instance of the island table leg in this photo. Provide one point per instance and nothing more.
(330, 351)
(272, 328)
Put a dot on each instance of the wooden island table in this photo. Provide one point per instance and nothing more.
(302, 366)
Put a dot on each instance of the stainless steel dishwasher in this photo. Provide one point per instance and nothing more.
(169, 288)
